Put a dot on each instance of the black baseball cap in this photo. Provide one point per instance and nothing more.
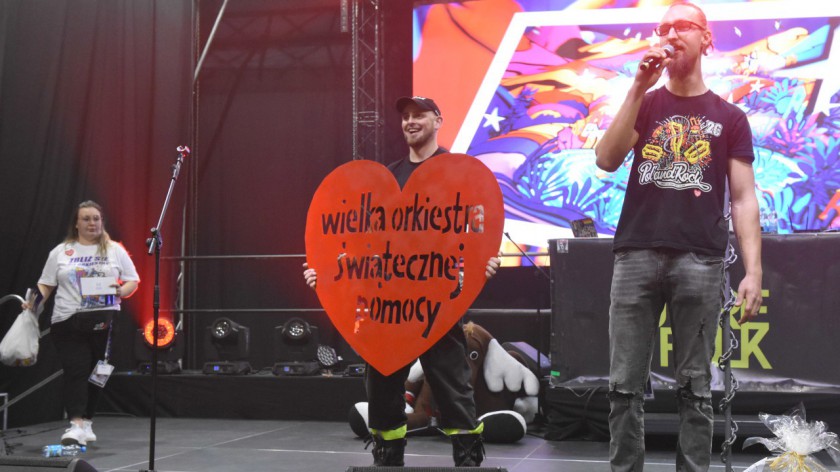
(424, 103)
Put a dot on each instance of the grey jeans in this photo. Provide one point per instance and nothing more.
(691, 285)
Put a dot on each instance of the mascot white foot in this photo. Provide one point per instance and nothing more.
(505, 393)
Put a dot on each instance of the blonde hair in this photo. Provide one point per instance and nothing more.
(73, 232)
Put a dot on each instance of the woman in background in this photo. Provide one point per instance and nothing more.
(84, 309)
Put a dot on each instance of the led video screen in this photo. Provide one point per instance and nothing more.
(529, 87)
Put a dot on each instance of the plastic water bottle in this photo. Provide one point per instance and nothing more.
(772, 222)
(769, 221)
(57, 450)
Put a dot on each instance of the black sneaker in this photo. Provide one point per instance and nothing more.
(467, 450)
(387, 453)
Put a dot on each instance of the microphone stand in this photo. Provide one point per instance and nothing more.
(155, 242)
(545, 274)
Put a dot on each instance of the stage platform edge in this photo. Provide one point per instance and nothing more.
(580, 411)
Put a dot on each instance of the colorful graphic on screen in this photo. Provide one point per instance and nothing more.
(529, 87)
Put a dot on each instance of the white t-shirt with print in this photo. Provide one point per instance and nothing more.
(69, 262)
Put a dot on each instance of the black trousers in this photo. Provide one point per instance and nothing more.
(448, 374)
(79, 348)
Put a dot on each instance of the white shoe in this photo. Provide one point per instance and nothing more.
(87, 426)
(75, 434)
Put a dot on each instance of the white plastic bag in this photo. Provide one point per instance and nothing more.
(19, 347)
(795, 442)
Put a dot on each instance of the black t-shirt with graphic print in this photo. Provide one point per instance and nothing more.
(677, 188)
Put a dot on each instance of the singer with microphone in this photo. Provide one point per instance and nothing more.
(672, 235)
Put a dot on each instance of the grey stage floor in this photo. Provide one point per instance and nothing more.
(205, 445)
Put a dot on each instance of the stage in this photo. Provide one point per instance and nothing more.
(255, 396)
(301, 422)
(276, 114)
(207, 445)
(573, 410)
(776, 362)
(260, 421)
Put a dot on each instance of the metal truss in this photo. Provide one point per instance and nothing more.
(292, 35)
(280, 36)
(366, 25)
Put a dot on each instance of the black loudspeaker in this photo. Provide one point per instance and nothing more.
(424, 469)
(44, 464)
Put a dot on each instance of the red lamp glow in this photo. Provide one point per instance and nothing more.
(166, 332)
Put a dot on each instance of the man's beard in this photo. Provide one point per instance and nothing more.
(679, 68)
(417, 140)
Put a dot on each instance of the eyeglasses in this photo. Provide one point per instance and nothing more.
(681, 26)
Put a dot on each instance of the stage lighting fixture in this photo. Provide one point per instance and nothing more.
(296, 348)
(327, 357)
(232, 343)
(170, 347)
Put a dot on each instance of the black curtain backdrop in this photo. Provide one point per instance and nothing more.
(94, 99)
(95, 95)
(275, 110)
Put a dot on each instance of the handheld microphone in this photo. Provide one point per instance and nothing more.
(655, 61)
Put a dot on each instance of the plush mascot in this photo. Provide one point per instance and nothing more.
(505, 392)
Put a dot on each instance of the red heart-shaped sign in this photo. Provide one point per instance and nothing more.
(397, 269)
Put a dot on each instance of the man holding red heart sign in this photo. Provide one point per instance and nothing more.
(445, 362)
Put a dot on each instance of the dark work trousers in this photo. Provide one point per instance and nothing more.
(446, 370)
(79, 351)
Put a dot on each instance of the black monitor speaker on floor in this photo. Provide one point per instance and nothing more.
(44, 464)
